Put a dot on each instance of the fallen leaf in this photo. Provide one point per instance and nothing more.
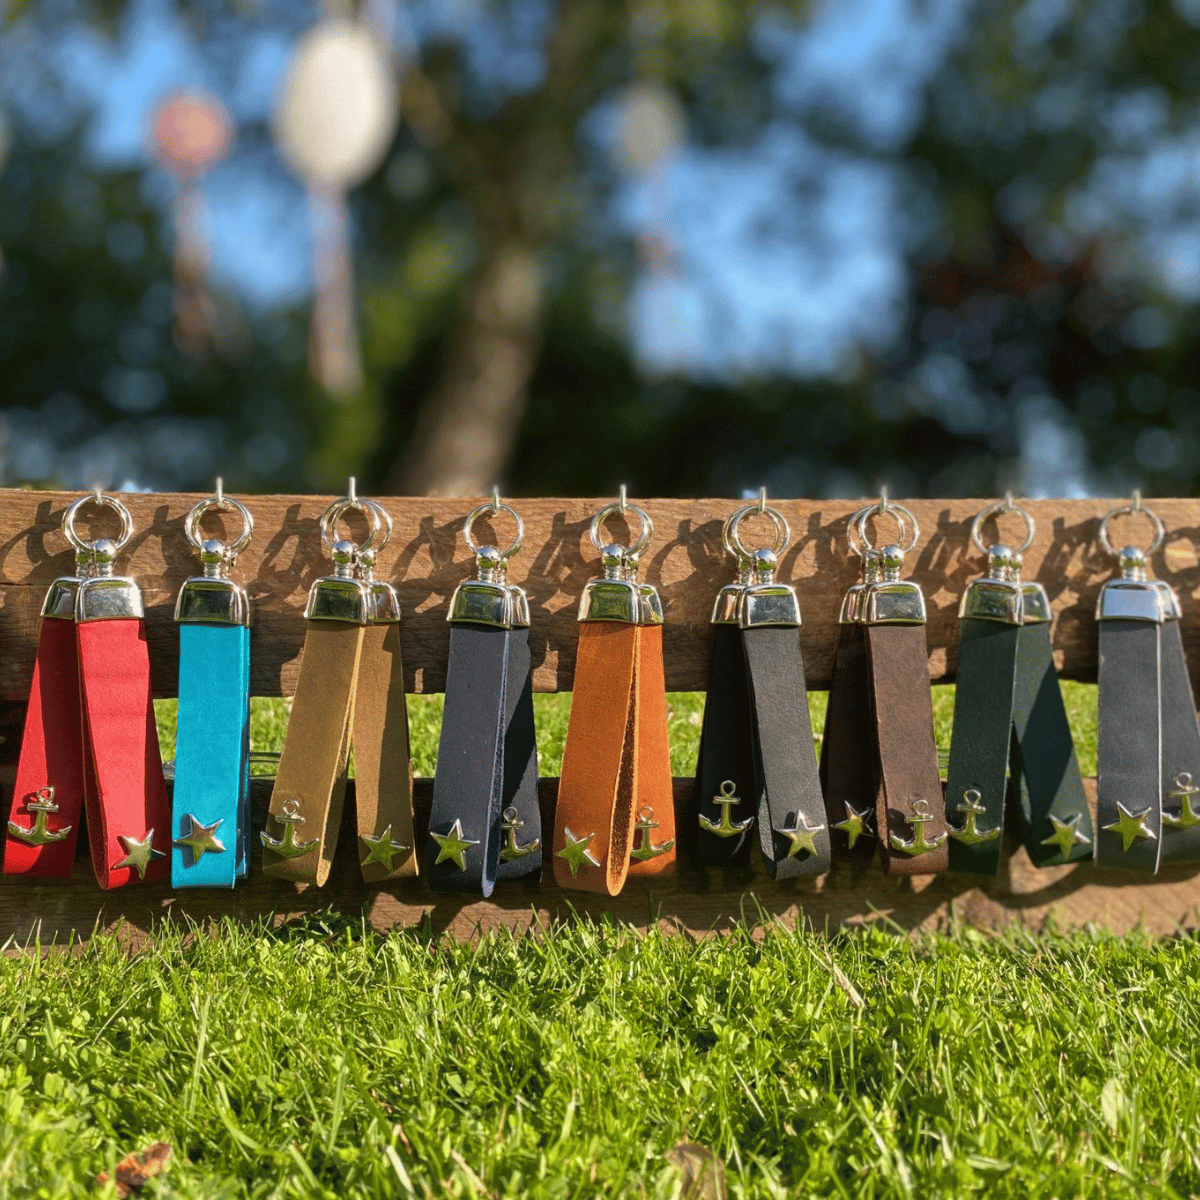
(702, 1171)
(135, 1169)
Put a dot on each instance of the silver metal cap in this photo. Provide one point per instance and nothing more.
(892, 601)
(767, 602)
(204, 600)
(105, 596)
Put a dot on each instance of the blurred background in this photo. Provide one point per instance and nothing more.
(693, 245)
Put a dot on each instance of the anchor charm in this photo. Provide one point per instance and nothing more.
(644, 850)
(973, 808)
(287, 846)
(38, 834)
(1185, 792)
(922, 816)
(726, 827)
(510, 850)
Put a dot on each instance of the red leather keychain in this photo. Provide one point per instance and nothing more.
(129, 819)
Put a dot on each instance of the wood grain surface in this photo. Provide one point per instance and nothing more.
(426, 559)
(694, 901)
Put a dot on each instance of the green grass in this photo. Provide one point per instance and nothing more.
(326, 1060)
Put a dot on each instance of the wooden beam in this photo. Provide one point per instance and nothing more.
(427, 559)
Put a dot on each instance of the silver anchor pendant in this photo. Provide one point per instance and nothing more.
(1185, 792)
(972, 808)
(39, 834)
(922, 816)
(510, 850)
(644, 850)
(287, 846)
(726, 827)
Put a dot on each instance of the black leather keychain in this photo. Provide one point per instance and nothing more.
(1010, 730)
(485, 824)
(1148, 749)
(759, 733)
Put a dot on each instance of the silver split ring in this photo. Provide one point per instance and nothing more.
(222, 503)
(339, 508)
(994, 510)
(783, 535)
(623, 506)
(493, 506)
(99, 498)
(857, 528)
(1126, 510)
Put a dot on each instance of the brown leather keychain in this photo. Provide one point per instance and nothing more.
(896, 739)
(615, 815)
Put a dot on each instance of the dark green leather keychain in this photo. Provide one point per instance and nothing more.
(1010, 733)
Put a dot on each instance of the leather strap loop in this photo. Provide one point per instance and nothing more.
(1129, 746)
(652, 796)
(129, 818)
(1056, 823)
(1180, 753)
(593, 826)
(212, 772)
(849, 765)
(463, 850)
(793, 833)
(521, 815)
(310, 787)
(382, 759)
(725, 772)
(47, 805)
(909, 808)
(980, 743)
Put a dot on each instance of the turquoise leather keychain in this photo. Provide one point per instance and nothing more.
(210, 814)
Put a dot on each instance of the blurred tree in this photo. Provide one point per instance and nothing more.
(1050, 239)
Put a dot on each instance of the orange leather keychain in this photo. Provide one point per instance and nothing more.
(615, 815)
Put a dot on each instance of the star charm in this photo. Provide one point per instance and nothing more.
(801, 836)
(452, 846)
(383, 849)
(138, 854)
(1065, 836)
(1131, 826)
(856, 824)
(201, 839)
(576, 852)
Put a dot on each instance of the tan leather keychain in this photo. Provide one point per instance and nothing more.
(351, 657)
(615, 815)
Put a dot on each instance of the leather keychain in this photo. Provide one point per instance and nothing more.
(1010, 732)
(211, 799)
(909, 802)
(119, 766)
(615, 815)
(792, 833)
(850, 777)
(383, 777)
(1148, 749)
(485, 823)
(310, 786)
(47, 803)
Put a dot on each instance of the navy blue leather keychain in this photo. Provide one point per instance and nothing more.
(485, 824)
(210, 813)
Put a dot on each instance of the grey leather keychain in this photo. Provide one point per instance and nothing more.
(1149, 742)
